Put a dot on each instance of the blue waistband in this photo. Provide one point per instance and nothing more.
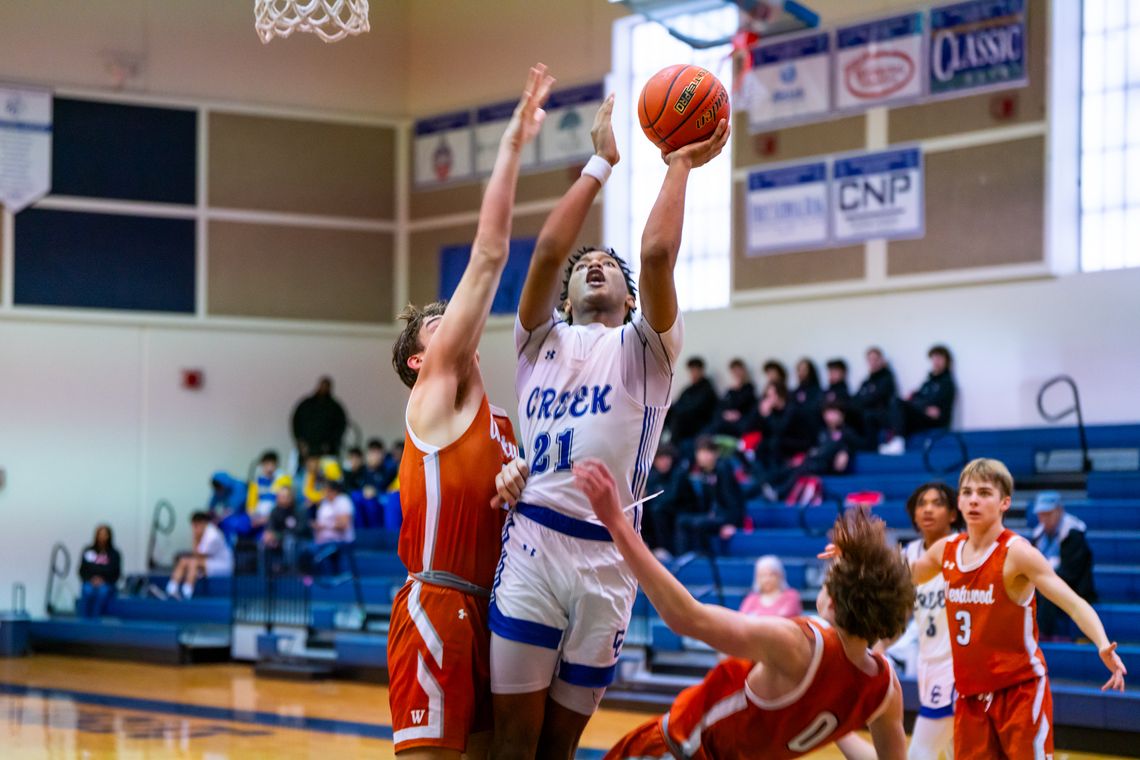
(561, 523)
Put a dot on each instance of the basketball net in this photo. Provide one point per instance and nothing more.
(331, 20)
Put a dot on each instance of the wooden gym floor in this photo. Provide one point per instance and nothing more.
(63, 707)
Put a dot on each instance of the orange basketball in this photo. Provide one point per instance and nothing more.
(681, 104)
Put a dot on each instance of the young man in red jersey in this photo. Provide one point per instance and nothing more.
(1004, 707)
(789, 686)
(458, 451)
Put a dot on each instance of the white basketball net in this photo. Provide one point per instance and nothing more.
(331, 20)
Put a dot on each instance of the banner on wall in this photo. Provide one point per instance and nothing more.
(443, 149)
(877, 195)
(789, 80)
(25, 146)
(977, 44)
(490, 124)
(565, 134)
(879, 62)
(453, 262)
(787, 208)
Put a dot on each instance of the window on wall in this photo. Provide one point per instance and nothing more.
(642, 48)
(1110, 135)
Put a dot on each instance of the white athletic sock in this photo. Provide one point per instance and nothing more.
(187, 590)
(932, 738)
(171, 588)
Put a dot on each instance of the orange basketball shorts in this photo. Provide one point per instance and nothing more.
(439, 667)
(1014, 723)
(645, 741)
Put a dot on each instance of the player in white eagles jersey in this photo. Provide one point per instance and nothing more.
(933, 508)
(593, 381)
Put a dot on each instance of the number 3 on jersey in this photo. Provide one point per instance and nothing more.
(565, 443)
(963, 619)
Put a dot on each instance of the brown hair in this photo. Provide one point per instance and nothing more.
(870, 584)
(988, 471)
(408, 341)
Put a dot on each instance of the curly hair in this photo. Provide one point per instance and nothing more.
(949, 498)
(870, 584)
(408, 341)
(575, 257)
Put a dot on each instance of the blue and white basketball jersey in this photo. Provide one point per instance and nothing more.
(929, 611)
(592, 391)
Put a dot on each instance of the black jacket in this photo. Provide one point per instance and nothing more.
(877, 390)
(293, 521)
(821, 458)
(107, 565)
(740, 399)
(320, 422)
(693, 410)
(939, 391)
(716, 494)
(838, 393)
(1076, 557)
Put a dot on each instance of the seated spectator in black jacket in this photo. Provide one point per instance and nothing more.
(837, 389)
(737, 401)
(775, 372)
(807, 402)
(873, 399)
(99, 571)
(354, 470)
(694, 409)
(1061, 538)
(832, 454)
(932, 405)
(711, 504)
(288, 532)
(660, 512)
(768, 422)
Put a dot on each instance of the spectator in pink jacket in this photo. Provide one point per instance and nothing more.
(770, 594)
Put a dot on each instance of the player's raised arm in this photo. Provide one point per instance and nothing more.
(540, 290)
(771, 640)
(453, 345)
(1027, 561)
(661, 240)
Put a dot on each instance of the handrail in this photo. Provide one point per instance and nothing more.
(840, 505)
(19, 599)
(688, 559)
(1086, 462)
(933, 441)
(54, 570)
(162, 521)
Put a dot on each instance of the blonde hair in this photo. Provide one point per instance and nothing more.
(988, 471)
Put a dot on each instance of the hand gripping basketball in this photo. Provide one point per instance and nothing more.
(528, 115)
(700, 153)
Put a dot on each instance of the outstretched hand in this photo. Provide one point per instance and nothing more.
(700, 153)
(831, 551)
(602, 133)
(528, 116)
(596, 481)
(1113, 662)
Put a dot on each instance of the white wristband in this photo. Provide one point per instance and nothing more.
(598, 168)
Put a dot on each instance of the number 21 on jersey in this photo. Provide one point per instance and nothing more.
(564, 443)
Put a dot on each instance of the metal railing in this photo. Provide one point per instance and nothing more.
(1086, 462)
(19, 599)
(161, 521)
(932, 444)
(59, 554)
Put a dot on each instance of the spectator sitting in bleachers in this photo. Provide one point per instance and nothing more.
(308, 483)
(806, 403)
(694, 409)
(227, 495)
(288, 530)
(710, 502)
(762, 431)
(831, 455)
(354, 470)
(738, 400)
(664, 476)
(1061, 538)
(929, 407)
(333, 524)
(260, 496)
(873, 399)
(99, 571)
(212, 557)
(770, 594)
(775, 372)
(837, 389)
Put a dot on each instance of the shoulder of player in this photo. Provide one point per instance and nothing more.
(1022, 554)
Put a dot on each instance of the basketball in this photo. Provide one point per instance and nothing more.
(681, 104)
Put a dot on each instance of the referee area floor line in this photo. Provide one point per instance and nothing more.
(210, 712)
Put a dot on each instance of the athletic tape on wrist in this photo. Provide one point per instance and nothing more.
(598, 168)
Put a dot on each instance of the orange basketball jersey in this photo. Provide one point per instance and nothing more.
(992, 637)
(445, 495)
(721, 717)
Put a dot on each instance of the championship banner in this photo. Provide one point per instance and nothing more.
(877, 195)
(25, 146)
(787, 209)
(565, 134)
(979, 44)
(490, 124)
(879, 62)
(443, 149)
(789, 80)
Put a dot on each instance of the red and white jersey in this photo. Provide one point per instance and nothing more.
(721, 718)
(994, 639)
(445, 495)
